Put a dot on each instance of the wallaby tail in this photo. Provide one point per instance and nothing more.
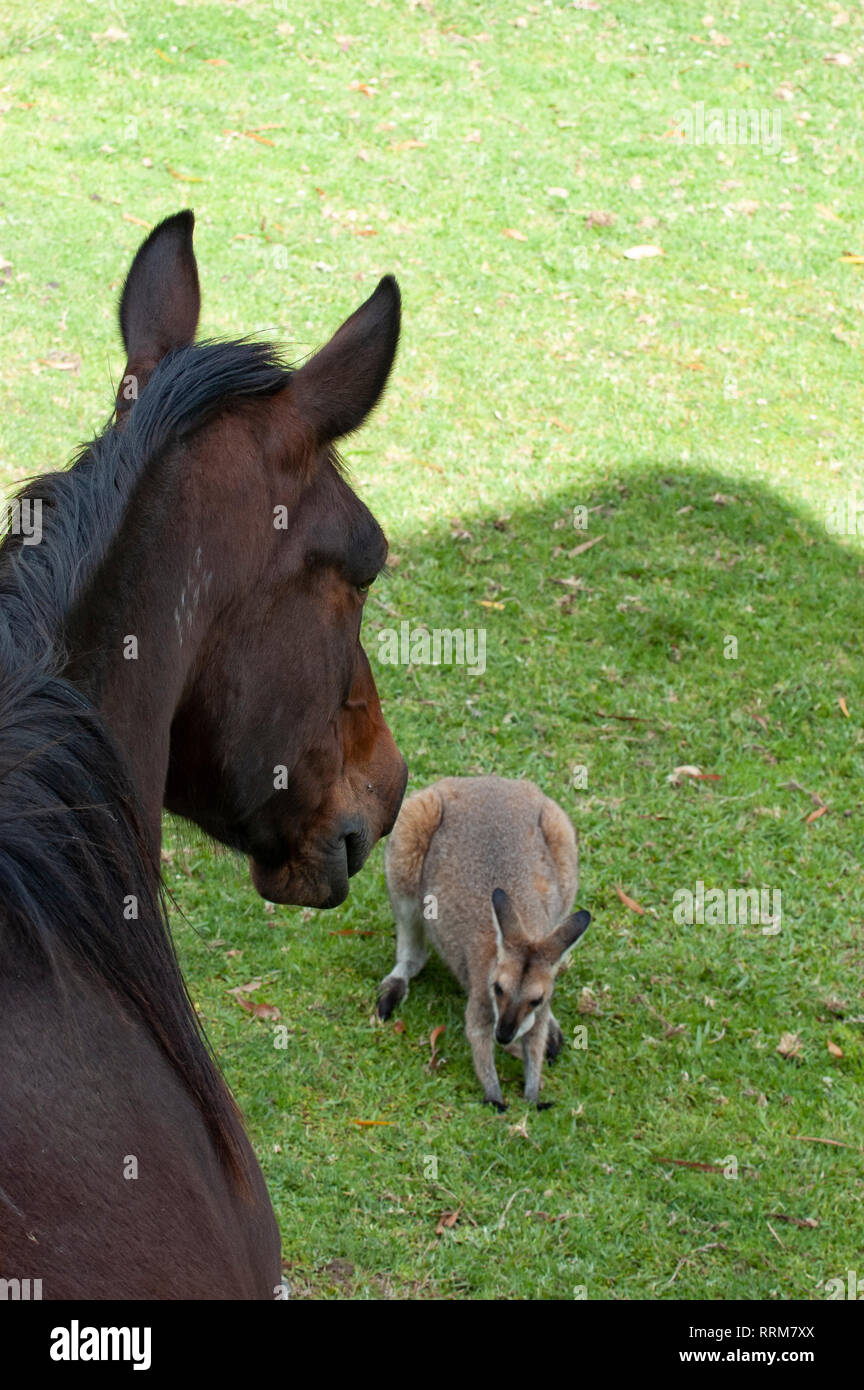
(409, 841)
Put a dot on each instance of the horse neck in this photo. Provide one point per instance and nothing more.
(137, 629)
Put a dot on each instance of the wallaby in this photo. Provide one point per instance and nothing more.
(487, 869)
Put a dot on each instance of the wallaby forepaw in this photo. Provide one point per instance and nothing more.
(545, 1104)
(392, 993)
(499, 1105)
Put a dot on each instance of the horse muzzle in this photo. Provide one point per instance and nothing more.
(319, 880)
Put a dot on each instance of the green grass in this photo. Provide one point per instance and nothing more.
(706, 405)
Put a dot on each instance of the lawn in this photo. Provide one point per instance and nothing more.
(703, 405)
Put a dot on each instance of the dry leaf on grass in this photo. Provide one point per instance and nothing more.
(586, 545)
(184, 178)
(586, 1003)
(696, 774)
(600, 219)
(62, 361)
(630, 902)
(435, 1060)
(789, 1045)
(834, 1049)
(807, 1222)
(447, 1221)
(265, 1011)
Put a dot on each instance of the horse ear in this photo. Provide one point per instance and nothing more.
(336, 389)
(160, 303)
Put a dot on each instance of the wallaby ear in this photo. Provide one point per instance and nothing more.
(336, 389)
(160, 303)
(505, 918)
(561, 941)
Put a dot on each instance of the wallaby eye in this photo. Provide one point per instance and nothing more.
(498, 990)
(535, 1003)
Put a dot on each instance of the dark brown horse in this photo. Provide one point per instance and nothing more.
(185, 633)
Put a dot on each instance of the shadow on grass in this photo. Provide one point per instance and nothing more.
(615, 659)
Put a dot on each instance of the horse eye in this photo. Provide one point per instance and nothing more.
(363, 589)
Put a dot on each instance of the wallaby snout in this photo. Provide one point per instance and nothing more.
(505, 1032)
(486, 869)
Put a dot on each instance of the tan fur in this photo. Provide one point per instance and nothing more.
(563, 845)
(453, 845)
(418, 820)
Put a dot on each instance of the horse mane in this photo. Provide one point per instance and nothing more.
(73, 854)
(83, 505)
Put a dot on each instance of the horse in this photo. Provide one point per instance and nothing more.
(182, 630)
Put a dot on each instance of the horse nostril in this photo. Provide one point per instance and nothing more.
(356, 849)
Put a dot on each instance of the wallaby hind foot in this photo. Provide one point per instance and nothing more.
(554, 1040)
(390, 993)
(412, 954)
(406, 850)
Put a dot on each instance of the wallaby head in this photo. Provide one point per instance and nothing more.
(523, 975)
